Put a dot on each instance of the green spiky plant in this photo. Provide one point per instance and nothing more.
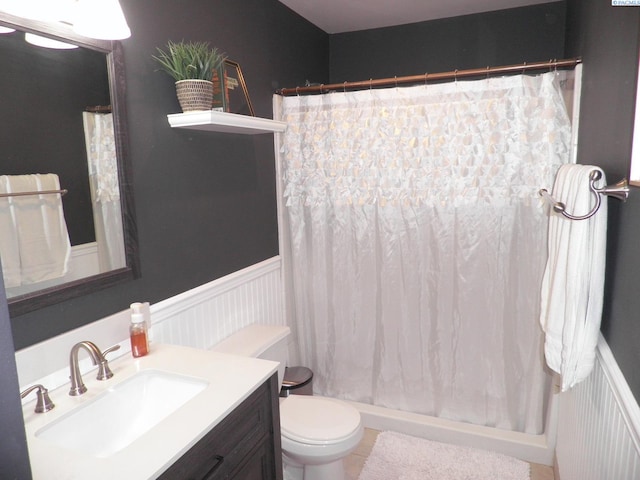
(189, 60)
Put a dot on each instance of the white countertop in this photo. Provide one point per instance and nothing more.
(231, 379)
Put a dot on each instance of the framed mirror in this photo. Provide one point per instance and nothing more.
(236, 91)
(64, 114)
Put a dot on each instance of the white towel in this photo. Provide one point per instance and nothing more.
(9, 245)
(43, 241)
(573, 283)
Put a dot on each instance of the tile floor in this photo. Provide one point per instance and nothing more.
(355, 461)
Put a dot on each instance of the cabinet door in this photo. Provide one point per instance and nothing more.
(259, 465)
(245, 445)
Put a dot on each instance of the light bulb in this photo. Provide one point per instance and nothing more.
(47, 42)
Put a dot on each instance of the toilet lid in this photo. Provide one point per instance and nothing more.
(314, 420)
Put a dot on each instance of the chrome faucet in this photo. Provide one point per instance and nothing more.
(97, 357)
(43, 402)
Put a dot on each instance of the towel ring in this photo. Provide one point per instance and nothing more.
(619, 190)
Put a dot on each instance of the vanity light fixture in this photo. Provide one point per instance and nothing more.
(100, 19)
(47, 42)
(42, 10)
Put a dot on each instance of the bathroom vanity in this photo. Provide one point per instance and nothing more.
(244, 446)
(222, 420)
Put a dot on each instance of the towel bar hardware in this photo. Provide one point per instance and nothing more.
(619, 190)
(42, 192)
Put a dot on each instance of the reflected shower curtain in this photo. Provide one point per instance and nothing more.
(105, 190)
(417, 243)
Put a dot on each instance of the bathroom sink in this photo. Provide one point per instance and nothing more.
(121, 414)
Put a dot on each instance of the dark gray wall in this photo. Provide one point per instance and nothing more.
(504, 37)
(14, 457)
(205, 202)
(607, 39)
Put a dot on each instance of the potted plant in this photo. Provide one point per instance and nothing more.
(192, 66)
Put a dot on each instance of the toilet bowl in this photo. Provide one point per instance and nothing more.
(317, 433)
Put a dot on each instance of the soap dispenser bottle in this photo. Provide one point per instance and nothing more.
(138, 331)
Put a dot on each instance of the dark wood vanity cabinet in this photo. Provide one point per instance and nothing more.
(244, 446)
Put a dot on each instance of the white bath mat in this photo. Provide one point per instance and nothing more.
(401, 457)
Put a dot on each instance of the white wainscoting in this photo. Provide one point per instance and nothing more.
(203, 316)
(599, 426)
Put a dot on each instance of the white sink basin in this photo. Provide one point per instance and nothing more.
(122, 413)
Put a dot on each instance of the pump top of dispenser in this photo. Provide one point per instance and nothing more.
(136, 313)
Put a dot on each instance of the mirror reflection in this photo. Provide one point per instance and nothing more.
(57, 123)
(58, 133)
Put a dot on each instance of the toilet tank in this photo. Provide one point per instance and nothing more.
(268, 342)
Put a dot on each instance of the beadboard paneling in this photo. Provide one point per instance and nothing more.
(203, 316)
(599, 427)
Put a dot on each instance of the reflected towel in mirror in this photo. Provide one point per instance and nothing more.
(9, 245)
(34, 242)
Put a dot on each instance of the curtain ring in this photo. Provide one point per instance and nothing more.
(371, 84)
(455, 75)
(396, 77)
(487, 71)
(298, 91)
(524, 67)
(344, 87)
(426, 75)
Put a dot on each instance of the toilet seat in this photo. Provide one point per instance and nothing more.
(317, 421)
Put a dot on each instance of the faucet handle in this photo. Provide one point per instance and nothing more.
(111, 349)
(43, 403)
(104, 372)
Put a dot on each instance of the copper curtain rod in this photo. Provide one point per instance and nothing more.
(414, 79)
(98, 109)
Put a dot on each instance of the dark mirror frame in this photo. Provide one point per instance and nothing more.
(115, 66)
(634, 168)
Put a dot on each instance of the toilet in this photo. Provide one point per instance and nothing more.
(317, 432)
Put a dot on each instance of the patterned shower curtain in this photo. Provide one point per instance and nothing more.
(417, 243)
(105, 189)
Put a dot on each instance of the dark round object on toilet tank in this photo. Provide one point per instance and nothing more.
(297, 381)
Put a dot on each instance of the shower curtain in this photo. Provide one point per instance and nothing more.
(105, 190)
(416, 243)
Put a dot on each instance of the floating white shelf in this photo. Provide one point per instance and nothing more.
(214, 121)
